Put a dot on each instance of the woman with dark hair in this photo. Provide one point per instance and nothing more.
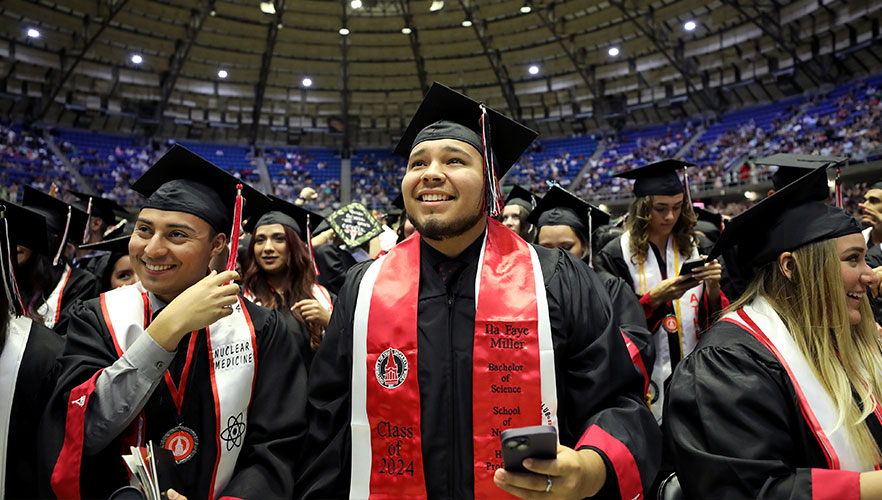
(281, 273)
(659, 237)
(117, 269)
(780, 399)
(49, 285)
(28, 363)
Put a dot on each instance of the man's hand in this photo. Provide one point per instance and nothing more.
(174, 495)
(312, 312)
(876, 285)
(870, 215)
(195, 308)
(573, 474)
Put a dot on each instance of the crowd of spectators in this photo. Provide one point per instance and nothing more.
(25, 159)
(293, 170)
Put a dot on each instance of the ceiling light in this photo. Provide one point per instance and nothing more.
(534, 70)
(307, 81)
(222, 73)
(212, 13)
(526, 9)
(613, 51)
(33, 33)
(436, 5)
(750, 195)
(137, 59)
(603, 207)
(267, 7)
(355, 4)
(406, 31)
(280, 26)
(690, 25)
(344, 31)
(466, 23)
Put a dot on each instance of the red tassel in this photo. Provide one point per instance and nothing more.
(234, 233)
(838, 189)
(309, 245)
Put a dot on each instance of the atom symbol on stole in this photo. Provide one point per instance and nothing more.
(234, 432)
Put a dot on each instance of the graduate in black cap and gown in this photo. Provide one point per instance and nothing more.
(566, 221)
(180, 359)
(779, 400)
(117, 269)
(102, 222)
(28, 360)
(659, 236)
(463, 330)
(48, 282)
(518, 206)
(281, 272)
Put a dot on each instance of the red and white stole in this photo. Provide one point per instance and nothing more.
(51, 309)
(232, 354)
(513, 379)
(645, 277)
(818, 408)
(18, 331)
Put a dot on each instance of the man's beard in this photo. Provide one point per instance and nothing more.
(437, 230)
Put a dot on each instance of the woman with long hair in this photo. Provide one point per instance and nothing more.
(281, 273)
(780, 399)
(49, 285)
(659, 237)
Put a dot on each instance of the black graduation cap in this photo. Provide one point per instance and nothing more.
(447, 114)
(709, 223)
(659, 178)
(182, 181)
(398, 202)
(279, 211)
(522, 198)
(120, 244)
(64, 222)
(26, 227)
(97, 206)
(788, 219)
(560, 207)
(876, 185)
(792, 167)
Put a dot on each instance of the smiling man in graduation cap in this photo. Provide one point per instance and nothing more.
(178, 358)
(464, 330)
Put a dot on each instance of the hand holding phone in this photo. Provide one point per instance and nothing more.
(691, 265)
(537, 441)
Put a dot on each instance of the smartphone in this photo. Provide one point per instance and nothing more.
(690, 265)
(537, 441)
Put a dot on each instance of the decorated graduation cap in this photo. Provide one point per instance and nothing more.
(63, 221)
(18, 226)
(792, 167)
(182, 181)
(659, 178)
(522, 198)
(447, 114)
(788, 219)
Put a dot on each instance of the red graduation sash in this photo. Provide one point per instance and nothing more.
(513, 366)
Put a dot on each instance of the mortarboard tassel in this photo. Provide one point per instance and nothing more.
(686, 186)
(88, 221)
(838, 189)
(111, 229)
(309, 245)
(234, 233)
(10, 285)
(63, 239)
(590, 236)
(493, 202)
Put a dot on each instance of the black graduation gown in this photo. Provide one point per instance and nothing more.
(596, 381)
(629, 313)
(733, 424)
(267, 463)
(82, 285)
(36, 379)
(332, 263)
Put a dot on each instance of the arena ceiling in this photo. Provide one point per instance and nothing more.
(80, 70)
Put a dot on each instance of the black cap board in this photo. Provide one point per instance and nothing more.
(560, 207)
(788, 219)
(522, 198)
(876, 185)
(398, 202)
(119, 244)
(792, 167)
(659, 178)
(101, 207)
(279, 211)
(182, 181)
(56, 212)
(26, 227)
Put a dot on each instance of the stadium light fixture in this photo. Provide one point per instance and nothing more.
(137, 59)
(526, 9)
(344, 31)
(355, 4)
(466, 24)
(406, 31)
(212, 13)
(307, 81)
(533, 70)
(222, 73)
(750, 195)
(267, 7)
(436, 5)
(33, 33)
(690, 25)
(613, 51)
